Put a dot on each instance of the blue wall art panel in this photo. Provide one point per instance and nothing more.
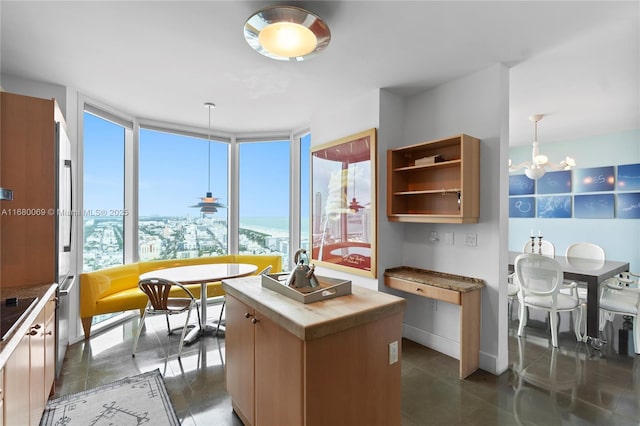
(554, 206)
(594, 206)
(555, 182)
(522, 206)
(628, 205)
(594, 179)
(629, 177)
(520, 185)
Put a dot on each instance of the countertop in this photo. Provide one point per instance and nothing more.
(436, 279)
(43, 293)
(315, 320)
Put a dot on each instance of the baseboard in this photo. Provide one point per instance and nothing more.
(488, 362)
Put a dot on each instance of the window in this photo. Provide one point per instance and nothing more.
(103, 194)
(305, 200)
(264, 194)
(173, 179)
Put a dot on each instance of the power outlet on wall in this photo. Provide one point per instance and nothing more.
(393, 352)
(470, 239)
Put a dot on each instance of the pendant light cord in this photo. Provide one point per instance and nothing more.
(209, 156)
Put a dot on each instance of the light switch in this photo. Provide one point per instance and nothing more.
(393, 352)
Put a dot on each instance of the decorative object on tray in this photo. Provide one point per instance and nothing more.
(136, 400)
(303, 274)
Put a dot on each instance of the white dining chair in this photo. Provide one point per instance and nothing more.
(584, 250)
(540, 279)
(621, 296)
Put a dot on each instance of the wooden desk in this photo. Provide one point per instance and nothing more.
(593, 272)
(456, 289)
(202, 274)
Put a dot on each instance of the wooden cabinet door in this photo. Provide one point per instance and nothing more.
(279, 384)
(239, 358)
(49, 346)
(36, 373)
(16, 385)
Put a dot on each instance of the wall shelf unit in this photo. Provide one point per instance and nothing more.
(435, 182)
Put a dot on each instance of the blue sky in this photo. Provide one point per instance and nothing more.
(173, 172)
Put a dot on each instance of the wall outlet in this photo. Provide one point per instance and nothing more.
(448, 238)
(434, 237)
(471, 240)
(393, 352)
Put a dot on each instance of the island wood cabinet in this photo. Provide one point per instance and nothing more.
(263, 361)
(30, 368)
(326, 363)
(435, 182)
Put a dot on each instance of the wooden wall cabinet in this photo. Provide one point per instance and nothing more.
(28, 164)
(435, 182)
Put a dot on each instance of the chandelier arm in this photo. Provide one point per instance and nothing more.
(516, 167)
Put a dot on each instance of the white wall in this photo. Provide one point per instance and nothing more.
(476, 105)
(618, 237)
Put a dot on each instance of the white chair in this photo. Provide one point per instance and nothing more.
(540, 280)
(621, 296)
(583, 250)
(546, 248)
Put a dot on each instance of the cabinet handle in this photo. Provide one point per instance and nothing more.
(418, 289)
(37, 326)
(247, 315)
(32, 333)
(48, 333)
(254, 320)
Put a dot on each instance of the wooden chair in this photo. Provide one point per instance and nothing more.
(157, 291)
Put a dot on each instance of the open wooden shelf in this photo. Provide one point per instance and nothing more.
(447, 191)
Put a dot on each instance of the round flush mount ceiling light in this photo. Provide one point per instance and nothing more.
(286, 33)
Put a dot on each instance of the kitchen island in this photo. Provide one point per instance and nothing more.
(335, 361)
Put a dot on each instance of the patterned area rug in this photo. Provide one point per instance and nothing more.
(137, 400)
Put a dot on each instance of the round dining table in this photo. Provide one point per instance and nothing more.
(202, 274)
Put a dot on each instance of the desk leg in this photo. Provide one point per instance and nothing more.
(469, 332)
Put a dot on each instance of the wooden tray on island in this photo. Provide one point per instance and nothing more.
(328, 289)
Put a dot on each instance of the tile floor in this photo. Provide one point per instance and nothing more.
(574, 384)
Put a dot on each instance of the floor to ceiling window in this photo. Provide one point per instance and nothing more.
(103, 194)
(305, 187)
(175, 174)
(264, 198)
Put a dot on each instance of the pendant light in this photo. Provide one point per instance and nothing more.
(209, 204)
(537, 167)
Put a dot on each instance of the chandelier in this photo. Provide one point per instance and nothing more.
(208, 204)
(539, 164)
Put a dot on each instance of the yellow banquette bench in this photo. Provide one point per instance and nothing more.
(116, 289)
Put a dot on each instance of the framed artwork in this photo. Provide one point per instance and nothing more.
(593, 206)
(554, 206)
(628, 206)
(343, 204)
(594, 179)
(554, 182)
(521, 185)
(522, 206)
(629, 177)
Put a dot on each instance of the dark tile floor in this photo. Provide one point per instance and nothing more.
(574, 384)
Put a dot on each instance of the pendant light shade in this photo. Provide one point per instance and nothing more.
(209, 204)
(286, 33)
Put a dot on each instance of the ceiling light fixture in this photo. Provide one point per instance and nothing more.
(537, 167)
(209, 204)
(286, 33)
